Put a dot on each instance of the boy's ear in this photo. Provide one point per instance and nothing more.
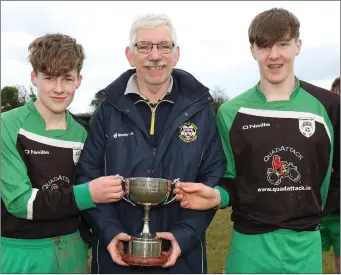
(79, 81)
(34, 78)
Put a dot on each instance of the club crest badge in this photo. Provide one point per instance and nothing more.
(307, 126)
(76, 155)
(188, 132)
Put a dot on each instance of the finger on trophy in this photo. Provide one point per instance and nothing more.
(179, 197)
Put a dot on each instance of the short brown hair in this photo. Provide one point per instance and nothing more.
(273, 25)
(336, 85)
(56, 54)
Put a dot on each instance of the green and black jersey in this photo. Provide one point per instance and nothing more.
(280, 156)
(38, 199)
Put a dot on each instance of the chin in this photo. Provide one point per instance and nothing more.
(58, 109)
(157, 81)
(276, 80)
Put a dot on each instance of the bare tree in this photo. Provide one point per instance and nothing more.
(219, 97)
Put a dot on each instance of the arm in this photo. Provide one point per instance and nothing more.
(191, 225)
(226, 185)
(102, 219)
(25, 202)
(333, 200)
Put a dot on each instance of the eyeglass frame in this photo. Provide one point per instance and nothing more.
(152, 46)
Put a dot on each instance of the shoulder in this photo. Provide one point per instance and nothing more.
(79, 122)
(327, 98)
(233, 105)
(13, 120)
(14, 115)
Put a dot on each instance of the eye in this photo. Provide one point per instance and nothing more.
(48, 78)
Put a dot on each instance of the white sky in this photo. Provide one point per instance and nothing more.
(212, 37)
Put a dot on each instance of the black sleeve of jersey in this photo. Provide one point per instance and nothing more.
(331, 103)
(84, 227)
(333, 202)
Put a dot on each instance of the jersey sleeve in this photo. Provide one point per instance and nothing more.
(23, 201)
(226, 185)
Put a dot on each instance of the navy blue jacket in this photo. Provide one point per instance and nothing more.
(118, 143)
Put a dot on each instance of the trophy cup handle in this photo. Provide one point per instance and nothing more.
(172, 186)
(124, 190)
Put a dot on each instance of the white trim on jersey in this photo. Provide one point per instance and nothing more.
(51, 141)
(285, 114)
(30, 204)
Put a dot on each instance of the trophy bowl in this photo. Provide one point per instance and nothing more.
(152, 191)
(146, 249)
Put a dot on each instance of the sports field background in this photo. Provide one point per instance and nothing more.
(218, 238)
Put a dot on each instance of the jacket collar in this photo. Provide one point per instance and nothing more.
(188, 85)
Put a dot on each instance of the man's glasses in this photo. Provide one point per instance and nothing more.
(146, 47)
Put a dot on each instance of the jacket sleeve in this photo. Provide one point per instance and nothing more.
(103, 219)
(25, 202)
(190, 228)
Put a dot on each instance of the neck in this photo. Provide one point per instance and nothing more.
(153, 92)
(280, 91)
(53, 120)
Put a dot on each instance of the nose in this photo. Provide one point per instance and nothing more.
(155, 53)
(274, 52)
(58, 88)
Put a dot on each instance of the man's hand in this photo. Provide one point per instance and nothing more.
(116, 248)
(196, 196)
(174, 252)
(106, 189)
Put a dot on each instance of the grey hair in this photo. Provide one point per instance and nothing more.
(150, 20)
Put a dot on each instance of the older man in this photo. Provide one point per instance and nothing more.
(155, 121)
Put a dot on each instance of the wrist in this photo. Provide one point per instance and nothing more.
(224, 197)
(83, 196)
(217, 197)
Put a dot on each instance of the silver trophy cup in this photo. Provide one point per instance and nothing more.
(145, 249)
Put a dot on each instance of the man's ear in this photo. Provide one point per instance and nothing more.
(34, 78)
(130, 56)
(176, 55)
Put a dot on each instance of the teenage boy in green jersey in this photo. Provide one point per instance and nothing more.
(330, 225)
(41, 144)
(281, 138)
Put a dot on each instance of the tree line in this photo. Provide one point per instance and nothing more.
(15, 96)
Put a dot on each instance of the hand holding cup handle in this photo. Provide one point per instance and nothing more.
(170, 191)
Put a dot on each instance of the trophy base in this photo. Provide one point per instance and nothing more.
(145, 252)
(144, 261)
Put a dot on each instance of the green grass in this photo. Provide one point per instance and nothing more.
(218, 240)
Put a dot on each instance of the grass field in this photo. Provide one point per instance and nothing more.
(218, 239)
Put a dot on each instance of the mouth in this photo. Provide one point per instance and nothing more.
(58, 98)
(275, 66)
(155, 68)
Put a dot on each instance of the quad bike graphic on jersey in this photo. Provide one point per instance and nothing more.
(282, 169)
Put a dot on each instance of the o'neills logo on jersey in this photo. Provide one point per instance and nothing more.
(36, 152)
(254, 126)
(282, 149)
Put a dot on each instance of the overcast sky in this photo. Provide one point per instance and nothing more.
(212, 37)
